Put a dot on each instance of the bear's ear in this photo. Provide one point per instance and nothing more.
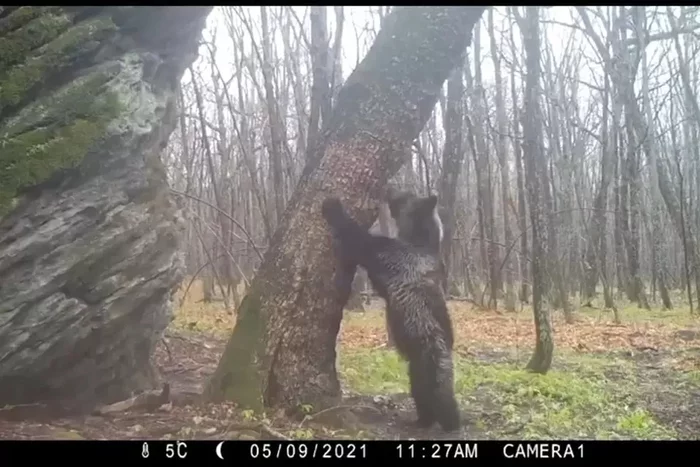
(397, 200)
(429, 203)
(391, 192)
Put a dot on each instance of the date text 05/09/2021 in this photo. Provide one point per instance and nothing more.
(508, 450)
(304, 450)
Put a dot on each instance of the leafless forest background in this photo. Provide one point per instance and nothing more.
(614, 128)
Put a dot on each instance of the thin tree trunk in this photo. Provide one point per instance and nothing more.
(275, 146)
(520, 180)
(215, 188)
(502, 123)
(320, 95)
(452, 158)
(536, 167)
(595, 260)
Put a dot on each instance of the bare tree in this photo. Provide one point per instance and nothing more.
(452, 158)
(502, 123)
(535, 166)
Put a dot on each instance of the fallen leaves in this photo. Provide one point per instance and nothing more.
(484, 328)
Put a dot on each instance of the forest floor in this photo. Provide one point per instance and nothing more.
(635, 380)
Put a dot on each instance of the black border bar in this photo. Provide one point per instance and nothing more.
(471, 451)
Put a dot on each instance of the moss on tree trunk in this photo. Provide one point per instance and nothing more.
(379, 111)
(237, 369)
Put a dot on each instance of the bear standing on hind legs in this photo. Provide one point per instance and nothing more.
(405, 272)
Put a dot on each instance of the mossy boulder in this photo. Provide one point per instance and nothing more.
(88, 236)
(65, 113)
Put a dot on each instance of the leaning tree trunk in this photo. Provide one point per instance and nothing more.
(283, 348)
(88, 236)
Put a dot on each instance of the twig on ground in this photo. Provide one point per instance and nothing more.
(261, 427)
(148, 401)
(167, 349)
(311, 417)
(171, 335)
(515, 429)
(20, 406)
(272, 432)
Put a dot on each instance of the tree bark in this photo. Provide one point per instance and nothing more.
(620, 255)
(536, 168)
(320, 91)
(520, 181)
(89, 244)
(385, 223)
(275, 146)
(502, 123)
(595, 259)
(484, 179)
(355, 302)
(283, 349)
(452, 158)
(630, 184)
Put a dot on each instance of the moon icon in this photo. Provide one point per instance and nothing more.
(218, 450)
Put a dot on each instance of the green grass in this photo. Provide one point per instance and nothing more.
(693, 377)
(631, 313)
(584, 397)
(373, 372)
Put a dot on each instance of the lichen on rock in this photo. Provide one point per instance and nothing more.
(70, 125)
(21, 16)
(37, 32)
(57, 130)
(17, 82)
